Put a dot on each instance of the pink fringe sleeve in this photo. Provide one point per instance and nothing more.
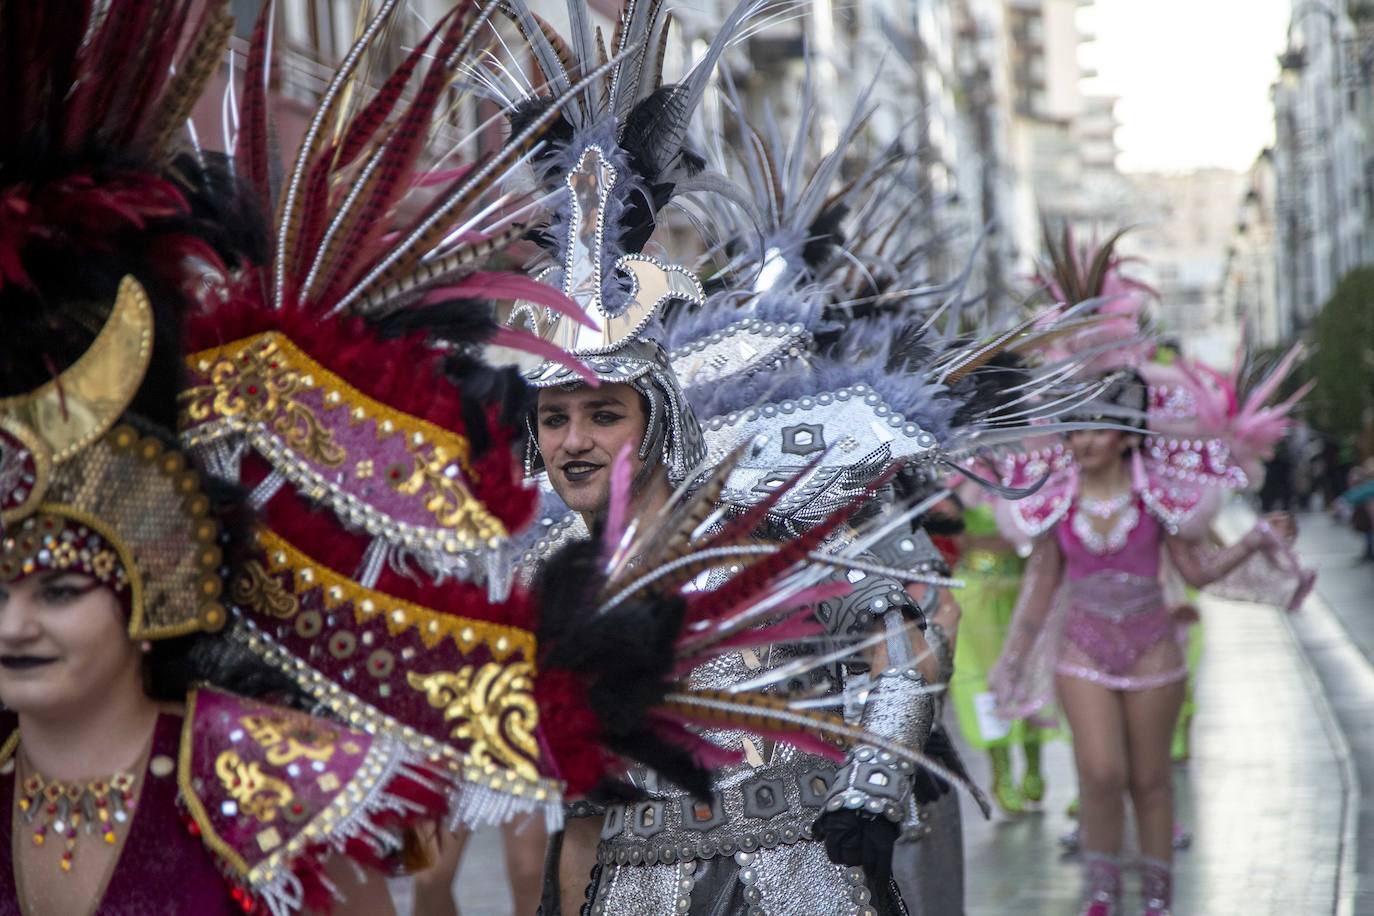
(1261, 567)
(1023, 678)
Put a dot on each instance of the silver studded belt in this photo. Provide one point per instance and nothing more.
(774, 807)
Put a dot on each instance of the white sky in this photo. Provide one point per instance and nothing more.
(1193, 77)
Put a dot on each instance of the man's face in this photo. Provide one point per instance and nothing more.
(580, 433)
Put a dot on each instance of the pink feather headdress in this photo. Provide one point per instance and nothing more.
(1194, 399)
(1110, 332)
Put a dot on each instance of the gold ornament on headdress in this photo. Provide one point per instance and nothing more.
(66, 458)
(653, 282)
(79, 406)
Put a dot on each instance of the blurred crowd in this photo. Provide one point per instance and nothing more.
(1312, 470)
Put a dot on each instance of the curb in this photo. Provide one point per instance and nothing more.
(1351, 795)
(1345, 760)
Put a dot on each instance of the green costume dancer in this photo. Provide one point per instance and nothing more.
(992, 571)
(1182, 745)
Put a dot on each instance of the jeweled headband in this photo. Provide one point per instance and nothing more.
(82, 488)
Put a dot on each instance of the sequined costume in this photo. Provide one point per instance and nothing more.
(746, 847)
(196, 842)
(1178, 485)
(752, 846)
(1112, 623)
(382, 506)
(1075, 571)
(342, 381)
(243, 803)
(778, 428)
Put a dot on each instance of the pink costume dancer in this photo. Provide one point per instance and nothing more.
(1092, 608)
(1091, 623)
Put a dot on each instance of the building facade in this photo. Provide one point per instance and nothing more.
(1182, 225)
(1250, 278)
(1323, 160)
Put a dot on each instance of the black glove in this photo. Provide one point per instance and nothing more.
(926, 787)
(858, 838)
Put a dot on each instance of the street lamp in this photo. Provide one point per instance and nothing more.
(1291, 64)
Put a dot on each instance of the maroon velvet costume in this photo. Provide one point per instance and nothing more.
(163, 867)
(259, 798)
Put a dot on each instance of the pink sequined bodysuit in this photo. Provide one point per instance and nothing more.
(1117, 629)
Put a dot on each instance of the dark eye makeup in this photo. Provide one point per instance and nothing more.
(67, 588)
(60, 588)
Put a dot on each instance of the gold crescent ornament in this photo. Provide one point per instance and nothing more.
(84, 402)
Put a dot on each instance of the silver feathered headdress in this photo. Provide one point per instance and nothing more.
(615, 160)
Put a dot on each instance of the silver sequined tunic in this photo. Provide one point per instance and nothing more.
(748, 853)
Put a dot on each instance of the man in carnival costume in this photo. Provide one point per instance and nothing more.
(741, 845)
(802, 432)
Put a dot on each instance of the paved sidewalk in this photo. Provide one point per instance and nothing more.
(1337, 634)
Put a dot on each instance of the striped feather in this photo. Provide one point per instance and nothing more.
(289, 220)
(364, 126)
(143, 82)
(88, 111)
(212, 31)
(672, 538)
(462, 257)
(395, 164)
(437, 222)
(251, 152)
(761, 712)
(660, 57)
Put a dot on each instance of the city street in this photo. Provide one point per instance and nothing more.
(414, 412)
(1271, 794)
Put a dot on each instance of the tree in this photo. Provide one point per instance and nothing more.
(1344, 359)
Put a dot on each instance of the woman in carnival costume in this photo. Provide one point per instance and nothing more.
(148, 765)
(1092, 624)
(991, 568)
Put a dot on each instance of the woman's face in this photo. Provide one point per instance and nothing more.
(1098, 449)
(63, 644)
(580, 434)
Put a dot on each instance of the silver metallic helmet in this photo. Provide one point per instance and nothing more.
(613, 159)
(672, 436)
(619, 342)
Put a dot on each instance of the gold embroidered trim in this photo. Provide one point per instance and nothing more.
(490, 707)
(367, 778)
(399, 616)
(361, 715)
(254, 382)
(258, 588)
